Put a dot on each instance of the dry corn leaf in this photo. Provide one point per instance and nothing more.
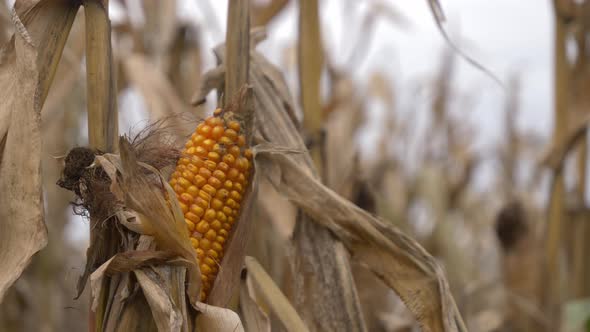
(439, 18)
(400, 261)
(67, 75)
(157, 91)
(271, 294)
(167, 315)
(213, 318)
(162, 286)
(255, 319)
(323, 290)
(27, 65)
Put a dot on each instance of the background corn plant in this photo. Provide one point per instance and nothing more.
(314, 261)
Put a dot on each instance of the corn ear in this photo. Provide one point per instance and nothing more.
(210, 182)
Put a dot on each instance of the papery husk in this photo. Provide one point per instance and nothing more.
(155, 266)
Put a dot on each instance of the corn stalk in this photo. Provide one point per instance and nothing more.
(102, 123)
(555, 225)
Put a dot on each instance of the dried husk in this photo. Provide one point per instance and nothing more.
(155, 258)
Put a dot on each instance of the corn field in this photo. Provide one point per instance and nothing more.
(267, 165)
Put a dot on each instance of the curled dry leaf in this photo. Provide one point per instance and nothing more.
(272, 295)
(254, 317)
(27, 65)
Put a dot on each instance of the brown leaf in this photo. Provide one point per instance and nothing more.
(27, 66)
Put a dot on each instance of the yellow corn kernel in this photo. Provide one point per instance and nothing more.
(189, 224)
(217, 132)
(199, 211)
(216, 225)
(205, 244)
(209, 215)
(204, 129)
(214, 156)
(184, 182)
(219, 173)
(192, 217)
(241, 140)
(199, 181)
(202, 203)
(213, 254)
(216, 204)
(214, 182)
(188, 175)
(226, 210)
(209, 189)
(216, 246)
(211, 235)
(221, 216)
(192, 190)
(234, 125)
(183, 207)
(225, 140)
(229, 159)
(231, 134)
(202, 227)
(186, 198)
